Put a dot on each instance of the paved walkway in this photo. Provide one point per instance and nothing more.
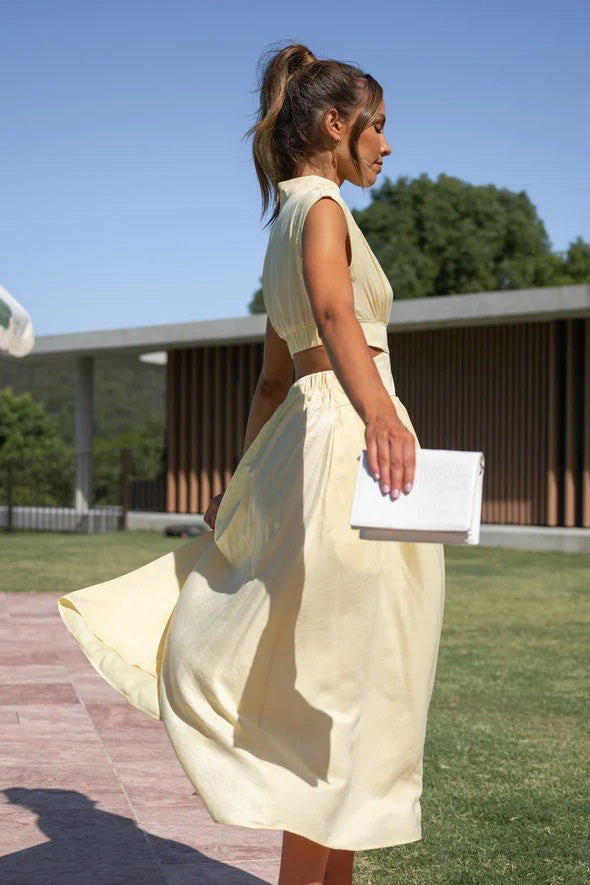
(90, 788)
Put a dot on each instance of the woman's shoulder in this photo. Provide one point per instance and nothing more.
(306, 198)
(303, 202)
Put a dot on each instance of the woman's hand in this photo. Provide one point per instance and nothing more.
(210, 514)
(391, 453)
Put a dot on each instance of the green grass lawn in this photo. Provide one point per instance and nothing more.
(507, 756)
(64, 561)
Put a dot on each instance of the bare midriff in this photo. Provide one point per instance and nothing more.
(316, 359)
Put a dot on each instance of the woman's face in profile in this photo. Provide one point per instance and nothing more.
(373, 148)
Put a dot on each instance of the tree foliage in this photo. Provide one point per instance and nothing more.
(257, 302)
(449, 237)
(26, 430)
(147, 459)
(44, 465)
(30, 441)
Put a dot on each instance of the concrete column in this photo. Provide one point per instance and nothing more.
(83, 431)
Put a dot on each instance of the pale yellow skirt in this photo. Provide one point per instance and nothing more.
(291, 662)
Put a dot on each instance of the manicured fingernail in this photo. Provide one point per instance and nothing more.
(385, 489)
(395, 493)
(407, 487)
(375, 476)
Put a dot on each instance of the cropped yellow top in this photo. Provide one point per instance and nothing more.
(285, 296)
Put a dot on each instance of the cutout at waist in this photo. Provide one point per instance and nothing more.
(308, 369)
(327, 380)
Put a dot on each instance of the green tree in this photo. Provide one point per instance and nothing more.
(42, 464)
(450, 237)
(577, 261)
(147, 459)
(257, 301)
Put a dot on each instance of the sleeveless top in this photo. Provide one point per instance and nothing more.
(284, 293)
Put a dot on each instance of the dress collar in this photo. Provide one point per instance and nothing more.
(290, 185)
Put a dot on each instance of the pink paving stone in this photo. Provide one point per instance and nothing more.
(72, 657)
(12, 652)
(27, 672)
(39, 718)
(90, 788)
(31, 605)
(90, 688)
(35, 693)
(119, 752)
(145, 787)
(79, 776)
(43, 748)
(118, 713)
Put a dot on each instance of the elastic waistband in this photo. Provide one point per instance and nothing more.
(327, 379)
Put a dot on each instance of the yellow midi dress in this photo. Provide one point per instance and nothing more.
(291, 662)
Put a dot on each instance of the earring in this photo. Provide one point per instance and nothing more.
(334, 149)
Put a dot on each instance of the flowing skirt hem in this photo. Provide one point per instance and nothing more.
(142, 688)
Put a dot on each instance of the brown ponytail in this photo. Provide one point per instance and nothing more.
(295, 90)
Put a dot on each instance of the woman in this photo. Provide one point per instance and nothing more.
(294, 671)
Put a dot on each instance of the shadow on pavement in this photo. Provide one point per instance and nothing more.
(88, 845)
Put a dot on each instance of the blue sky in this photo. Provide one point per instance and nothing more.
(128, 194)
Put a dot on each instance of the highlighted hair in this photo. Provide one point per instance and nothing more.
(296, 89)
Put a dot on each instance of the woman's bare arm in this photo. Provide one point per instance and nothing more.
(390, 445)
(272, 387)
(273, 383)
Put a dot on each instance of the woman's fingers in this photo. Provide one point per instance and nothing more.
(372, 454)
(396, 461)
(391, 454)
(402, 457)
(409, 463)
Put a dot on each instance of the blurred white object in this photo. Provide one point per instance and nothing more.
(16, 329)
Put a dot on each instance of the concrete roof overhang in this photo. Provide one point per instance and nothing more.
(483, 308)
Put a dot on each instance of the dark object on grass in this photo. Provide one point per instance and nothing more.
(189, 529)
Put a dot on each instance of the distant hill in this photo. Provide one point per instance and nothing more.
(127, 393)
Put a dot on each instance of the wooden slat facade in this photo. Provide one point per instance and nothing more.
(519, 392)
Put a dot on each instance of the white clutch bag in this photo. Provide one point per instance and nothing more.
(443, 507)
